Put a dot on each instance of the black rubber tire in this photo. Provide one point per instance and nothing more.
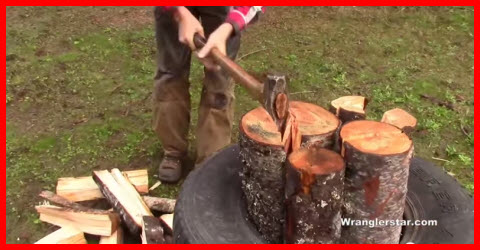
(211, 207)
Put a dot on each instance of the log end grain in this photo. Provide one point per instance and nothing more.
(400, 119)
(375, 137)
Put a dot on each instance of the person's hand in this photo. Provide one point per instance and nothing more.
(188, 25)
(218, 39)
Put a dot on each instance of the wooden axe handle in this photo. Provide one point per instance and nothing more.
(252, 85)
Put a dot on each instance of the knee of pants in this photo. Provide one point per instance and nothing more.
(217, 100)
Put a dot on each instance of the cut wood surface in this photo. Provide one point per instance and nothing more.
(152, 231)
(123, 200)
(84, 188)
(163, 205)
(314, 124)
(64, 235)
(132, 192)
(400, 119)
(314, 190)
(378, 158)
(168, 219)
(115, 238)
(349, 108)
(89, 222)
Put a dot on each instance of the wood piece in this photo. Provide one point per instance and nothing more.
(264, 152)
(168, 219)
(400, 119)
(349, 108)
(84, 188)
(130, 189)
(56, 199)
(64, 235)
(314, 191)
(86, 221)
(152, 231)
(378, 159)
(163, 205)
(123, 201)
(115, 238)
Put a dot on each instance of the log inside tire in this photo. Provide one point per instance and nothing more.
(378, 158)
(314, 190)
(263, 154)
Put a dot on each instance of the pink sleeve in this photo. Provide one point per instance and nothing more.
(241, 16)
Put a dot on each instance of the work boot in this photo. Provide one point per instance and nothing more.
(170, 169)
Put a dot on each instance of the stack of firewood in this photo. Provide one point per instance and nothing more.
(129, 209)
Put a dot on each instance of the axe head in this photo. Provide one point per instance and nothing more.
(276, 99)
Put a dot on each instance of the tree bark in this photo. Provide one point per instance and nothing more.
(263, 178)
(163, 205)
(314, 190)
(378, 158)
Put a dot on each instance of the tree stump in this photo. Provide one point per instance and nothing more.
(314, 190)
(400, 119)
(263, 152)
(349, 108)
(378, 158)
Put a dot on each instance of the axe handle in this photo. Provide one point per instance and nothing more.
(252, 85)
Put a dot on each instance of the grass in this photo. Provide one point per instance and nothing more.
(79, 82)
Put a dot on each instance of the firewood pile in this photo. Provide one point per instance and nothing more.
(126, 193)
(327, 165)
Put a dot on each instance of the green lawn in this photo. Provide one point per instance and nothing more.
(79, 81)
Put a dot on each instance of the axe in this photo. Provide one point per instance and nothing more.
(272, 94)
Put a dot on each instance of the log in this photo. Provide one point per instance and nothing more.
(119, 194)
(314, 191)
(103, 224)
(56, 199)
(263, 153)
(115, 238)
(400, 119)
(378, 158)
(163, 205)
(84, 188)
(152, 231)
(64, 235)
(349, 108)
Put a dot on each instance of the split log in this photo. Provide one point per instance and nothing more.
(84, 188)
(349, 108)
(163, 205)
(263, 152)
(167, 220)
(115, 238)
(400, 119)
(103, 224)
(152, 231)
(314, 191)
(119, 194)
(64, 235)
(378, 158)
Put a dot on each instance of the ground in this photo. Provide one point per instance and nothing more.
(79, 80)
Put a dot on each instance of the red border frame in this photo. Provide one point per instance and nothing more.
(212, 2)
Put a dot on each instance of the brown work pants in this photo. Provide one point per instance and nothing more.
(171, 97)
